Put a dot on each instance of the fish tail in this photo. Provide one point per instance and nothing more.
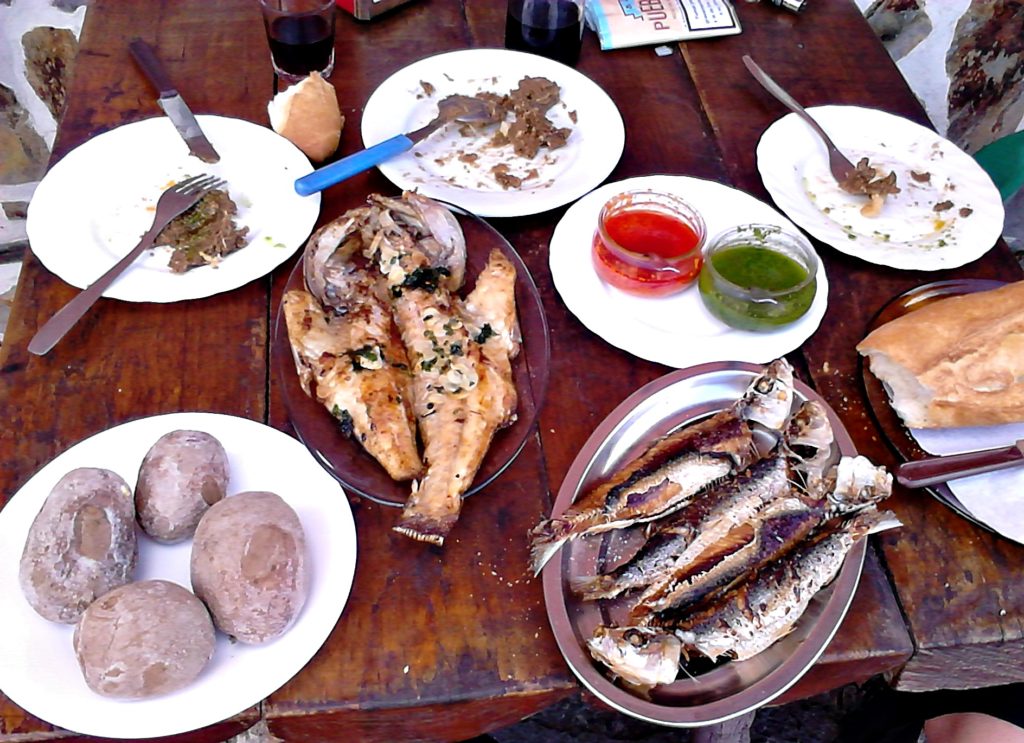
(548, 536)
(592, 587)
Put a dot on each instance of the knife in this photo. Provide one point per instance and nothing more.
(935, 470)
(171, 102)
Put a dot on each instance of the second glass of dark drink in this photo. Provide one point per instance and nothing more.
(301, 37)
(551, 28)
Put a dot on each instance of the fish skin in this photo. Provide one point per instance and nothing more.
(326, 347)
(663, 479)
(776, 531)
(752, 617)
(639, 656)
(689, 530)
(701, 454)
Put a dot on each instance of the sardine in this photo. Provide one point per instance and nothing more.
(675, 469)
(639, 656)
(706, 520)
(764, 609)
(731, 548)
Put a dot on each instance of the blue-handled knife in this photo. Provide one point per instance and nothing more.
(452, 108)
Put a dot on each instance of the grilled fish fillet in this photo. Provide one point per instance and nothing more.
(462, 388)
(358, 370)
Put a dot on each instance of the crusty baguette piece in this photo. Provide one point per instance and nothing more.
(956, 362)
(307, 114)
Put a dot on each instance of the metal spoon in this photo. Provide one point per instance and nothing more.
(452, 108)
(840, 166)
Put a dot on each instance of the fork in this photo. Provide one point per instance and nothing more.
(175, 200)
(838, 163)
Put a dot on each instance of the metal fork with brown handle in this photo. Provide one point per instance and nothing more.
(172, 202)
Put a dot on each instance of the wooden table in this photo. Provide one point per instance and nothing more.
(446, 645)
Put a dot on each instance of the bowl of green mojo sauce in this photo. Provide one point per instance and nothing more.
(758, 277)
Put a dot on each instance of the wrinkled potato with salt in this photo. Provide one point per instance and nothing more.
(182, 475)
(143, 640)
(249, 566)
(81, 544)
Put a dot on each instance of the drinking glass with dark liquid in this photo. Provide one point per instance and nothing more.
(301, 36)
(551, 28)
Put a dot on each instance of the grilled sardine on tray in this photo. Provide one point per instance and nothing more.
(394, 350)
(734, 555)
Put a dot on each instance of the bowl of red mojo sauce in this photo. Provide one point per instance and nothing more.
(648, 243)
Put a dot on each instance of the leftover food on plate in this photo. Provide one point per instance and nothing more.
(719, 541)
(385, 341)
(81, 544)
(517, 130)
(203, 234)
(957, 361)
(870, 181)
(143, 640)
(308, 116)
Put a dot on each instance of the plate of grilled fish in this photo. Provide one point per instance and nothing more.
(706, 543)
(412, 350)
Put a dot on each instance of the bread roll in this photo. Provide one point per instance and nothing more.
(307, 114)
(956, 362)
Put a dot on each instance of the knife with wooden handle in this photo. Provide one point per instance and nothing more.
(935, 470)
(172, 103)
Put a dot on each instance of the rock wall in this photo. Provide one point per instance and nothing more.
(963, 58)
(38, 43)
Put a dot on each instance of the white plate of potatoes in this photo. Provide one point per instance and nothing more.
(39, 669)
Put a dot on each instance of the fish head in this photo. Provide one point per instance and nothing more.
(640, 656)
(769, 398)
(808, 438)
(858, 483)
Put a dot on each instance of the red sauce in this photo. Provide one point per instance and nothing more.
(654, 253)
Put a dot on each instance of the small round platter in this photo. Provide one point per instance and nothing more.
(346, 460)
(893, 429)
(38, 670)
(676, 330)
(727, 689)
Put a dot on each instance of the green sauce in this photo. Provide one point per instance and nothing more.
(759, 271)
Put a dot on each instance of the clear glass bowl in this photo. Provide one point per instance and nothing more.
(758, 277)
(648, 243)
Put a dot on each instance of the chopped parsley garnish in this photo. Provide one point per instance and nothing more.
(344, 420)
(485, 332)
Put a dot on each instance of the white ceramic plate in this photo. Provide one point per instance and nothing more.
(401, 104)
(38, 670)
(676, 330)
(92, 207)
(908, 233)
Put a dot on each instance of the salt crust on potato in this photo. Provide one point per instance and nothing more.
(81, 544)
(143, 640)
(249, 566)
(182, 475)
